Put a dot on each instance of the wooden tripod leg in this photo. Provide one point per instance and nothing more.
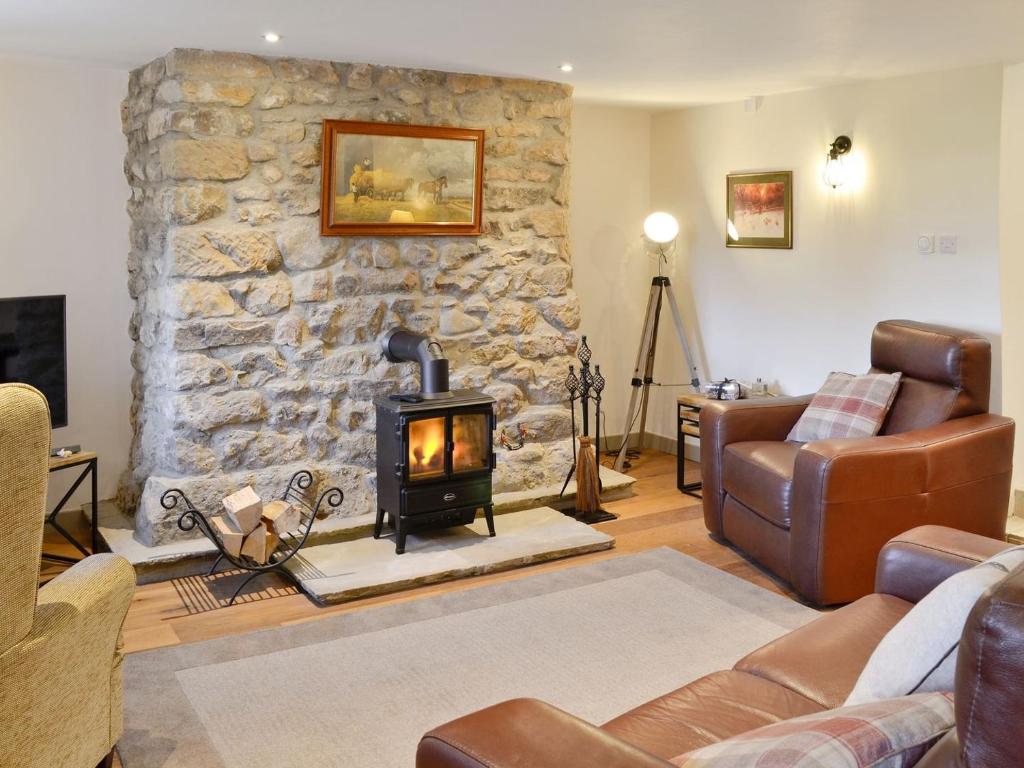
(677, 320)
(642, 355)
(649, 371)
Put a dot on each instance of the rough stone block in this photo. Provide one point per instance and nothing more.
(360, 77)
(215, 65)
(276, 97)
(284, 133)
(192, 370)
(310, 94)
(207, 412)
(214, 253)
(311, 287)
(210, 334)
(269, 295)
(302, 247)
(194, 298)
(549, 222)
(193, 203)
(261, 151)
(293, 70)
(454, 322)
(209, 159)
(205, 92)
(459, 84)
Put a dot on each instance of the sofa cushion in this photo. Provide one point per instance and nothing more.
(847, 406)
(894, 733)
(707, 710)
(840, 642)
(919, 653)
(760, 475)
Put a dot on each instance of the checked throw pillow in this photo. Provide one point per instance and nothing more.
(847, 406)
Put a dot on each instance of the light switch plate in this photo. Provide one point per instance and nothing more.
(925, 244)
(947, 243)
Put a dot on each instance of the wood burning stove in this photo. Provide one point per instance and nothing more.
(435, 453)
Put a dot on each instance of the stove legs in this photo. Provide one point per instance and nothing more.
(396, 522)
(400, 532)
(401, 525)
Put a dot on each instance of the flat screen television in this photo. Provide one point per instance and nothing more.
(33, 351)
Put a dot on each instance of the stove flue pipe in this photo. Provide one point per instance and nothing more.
(402, 345)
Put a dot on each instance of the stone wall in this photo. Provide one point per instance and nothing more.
(256, 340)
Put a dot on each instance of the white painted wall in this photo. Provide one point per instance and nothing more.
(65, 230)
(1011, 254)
(929, 148)
(610, 197)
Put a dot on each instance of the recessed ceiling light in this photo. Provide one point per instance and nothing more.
(271, 37)
(566, 67)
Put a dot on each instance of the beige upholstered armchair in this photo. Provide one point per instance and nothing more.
(60, 657)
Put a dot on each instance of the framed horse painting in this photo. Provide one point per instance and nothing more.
(389, 179)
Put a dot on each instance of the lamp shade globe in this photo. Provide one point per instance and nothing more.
(835, 172)
(661, 227)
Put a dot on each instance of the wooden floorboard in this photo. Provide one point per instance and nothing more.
(658, 515)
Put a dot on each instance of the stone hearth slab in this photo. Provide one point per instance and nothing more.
(193, 556)
(615, 485)
(335, 573)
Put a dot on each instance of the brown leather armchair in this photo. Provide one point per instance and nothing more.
(817, 514)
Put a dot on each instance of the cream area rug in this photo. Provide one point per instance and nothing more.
(357, 691)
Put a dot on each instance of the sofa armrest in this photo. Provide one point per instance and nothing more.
(736, 421)
(851, 496)
(912, 564)
(526, 733)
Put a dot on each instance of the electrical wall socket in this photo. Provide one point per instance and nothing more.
(947, 243)
(925, 244)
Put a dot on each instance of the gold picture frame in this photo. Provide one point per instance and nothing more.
(759, 210)
(400, 180)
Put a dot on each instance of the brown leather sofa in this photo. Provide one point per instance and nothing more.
(809, 670)
(817, 514)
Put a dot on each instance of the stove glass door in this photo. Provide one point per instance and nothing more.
(471, 444)
(426, 448)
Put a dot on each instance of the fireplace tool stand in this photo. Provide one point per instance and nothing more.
(300, 492)
(643, 371)
(586, 388)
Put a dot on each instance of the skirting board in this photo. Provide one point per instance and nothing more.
(653, 442)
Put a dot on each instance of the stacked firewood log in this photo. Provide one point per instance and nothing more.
(253, 529)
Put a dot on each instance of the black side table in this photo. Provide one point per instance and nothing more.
(687, 425)
(89, 461)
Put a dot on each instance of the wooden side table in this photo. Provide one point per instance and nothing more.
(687, 425)
(90, 462)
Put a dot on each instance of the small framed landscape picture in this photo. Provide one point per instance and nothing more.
(759, 210)
(388, 179)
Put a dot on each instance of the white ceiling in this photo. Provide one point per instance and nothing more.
(643, 51)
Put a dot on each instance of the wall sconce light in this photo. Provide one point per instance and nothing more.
(835, 168)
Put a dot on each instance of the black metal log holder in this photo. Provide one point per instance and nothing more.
(300, 492)
(586, 388)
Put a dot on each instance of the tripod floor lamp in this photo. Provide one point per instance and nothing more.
(660, 230)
